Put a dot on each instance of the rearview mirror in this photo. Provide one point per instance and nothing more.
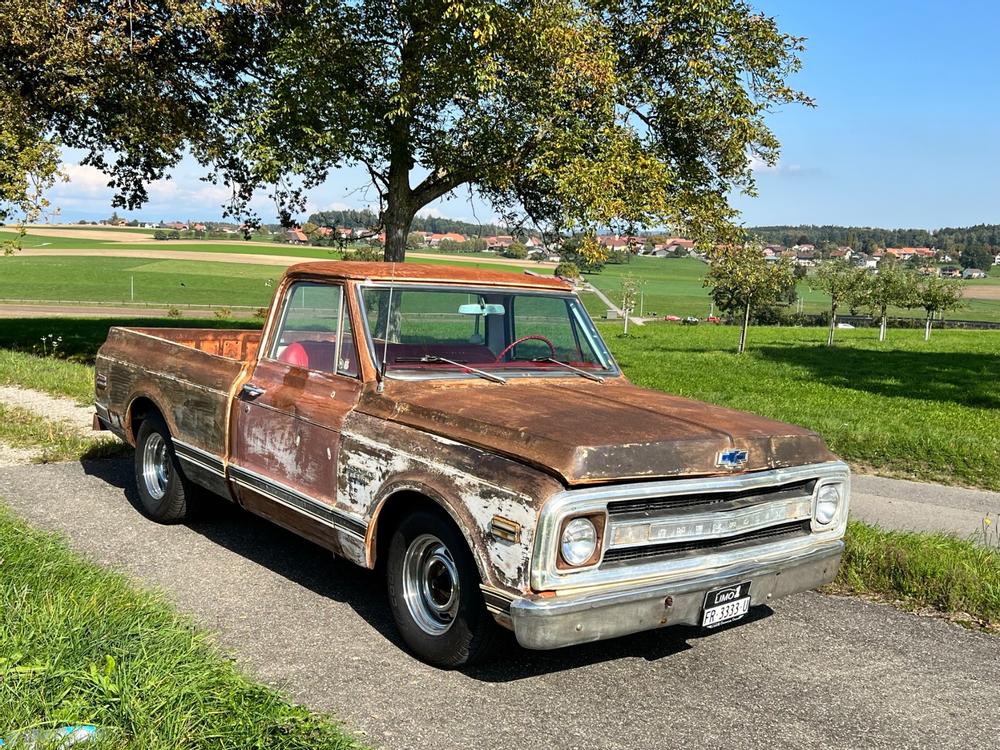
(478, 309)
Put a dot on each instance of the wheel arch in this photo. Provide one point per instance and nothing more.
(400, 501)
(140, 407)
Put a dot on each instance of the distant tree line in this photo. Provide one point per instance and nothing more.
(868, 239)
(365, 219)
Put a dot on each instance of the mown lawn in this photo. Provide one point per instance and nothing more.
(927, 410)
(80, 645)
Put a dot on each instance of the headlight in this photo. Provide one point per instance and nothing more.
(579, 541)
(828, 503)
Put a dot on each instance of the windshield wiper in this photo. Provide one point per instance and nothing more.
(577, 370)
(433, 359)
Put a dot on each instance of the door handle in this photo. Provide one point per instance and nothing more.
(251, 391)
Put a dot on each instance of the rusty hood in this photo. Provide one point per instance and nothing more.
(585, 432)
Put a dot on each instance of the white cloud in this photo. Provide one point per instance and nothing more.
(432, 213)
(757, 164)
(83, 181)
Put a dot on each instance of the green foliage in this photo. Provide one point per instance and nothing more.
(567, 270)
(575, 113)
(844, 283)
(78, 643)
(364, 253)
(584, 252)
(977, 256)
(516, 250)
(868, 239)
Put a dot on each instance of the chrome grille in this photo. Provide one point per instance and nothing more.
(710, 501)
(620, 555)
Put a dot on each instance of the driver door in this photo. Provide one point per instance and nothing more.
(287, 418)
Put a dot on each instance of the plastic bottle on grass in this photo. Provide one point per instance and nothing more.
(51, 739)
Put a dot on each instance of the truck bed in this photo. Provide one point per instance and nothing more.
(187, 373)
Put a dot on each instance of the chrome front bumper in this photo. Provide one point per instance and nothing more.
(544, 623)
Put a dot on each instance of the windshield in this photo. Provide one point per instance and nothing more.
(435, 331)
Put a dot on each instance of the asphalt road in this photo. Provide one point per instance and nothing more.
(817, 672)
(914, 506)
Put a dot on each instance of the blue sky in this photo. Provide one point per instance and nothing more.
(906, 132)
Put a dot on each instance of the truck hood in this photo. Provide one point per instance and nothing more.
(587, 433)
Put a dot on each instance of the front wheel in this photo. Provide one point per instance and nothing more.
(434, 592)
(165, 494)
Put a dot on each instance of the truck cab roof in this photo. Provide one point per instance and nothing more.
(424, 273)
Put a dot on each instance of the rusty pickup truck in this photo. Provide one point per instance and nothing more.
(469, 433)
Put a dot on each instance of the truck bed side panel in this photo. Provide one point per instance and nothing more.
(184, 372)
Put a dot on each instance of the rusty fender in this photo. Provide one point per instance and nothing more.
(379, 459)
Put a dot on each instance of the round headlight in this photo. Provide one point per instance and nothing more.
(579, 541)
(827, 503)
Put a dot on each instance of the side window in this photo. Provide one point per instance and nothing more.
(315, 330)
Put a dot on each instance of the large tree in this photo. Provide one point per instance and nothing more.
(571, 113)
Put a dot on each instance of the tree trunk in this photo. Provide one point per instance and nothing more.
(743, 333)
(833, 324)
(927, 327)
(882, 326)
(398, 215)
(625, 332)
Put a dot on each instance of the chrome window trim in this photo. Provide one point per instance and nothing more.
(275, 335)
(545, 575)
(600, 347)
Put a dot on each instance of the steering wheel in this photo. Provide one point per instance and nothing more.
(532, 337)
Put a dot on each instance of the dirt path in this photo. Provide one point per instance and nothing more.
(46, 310)
(50, 407)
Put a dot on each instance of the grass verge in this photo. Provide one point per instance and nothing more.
(957, 577)
(57, 377)
(79, 644)
(20, 428)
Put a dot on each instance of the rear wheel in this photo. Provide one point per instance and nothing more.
(164, 492)
(434, 592)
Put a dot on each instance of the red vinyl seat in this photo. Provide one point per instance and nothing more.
(318, 355)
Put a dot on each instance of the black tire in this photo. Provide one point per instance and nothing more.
(167, 498)
(472, 630)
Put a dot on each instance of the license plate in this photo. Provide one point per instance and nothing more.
(726, 604)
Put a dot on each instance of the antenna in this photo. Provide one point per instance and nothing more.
(388, 323)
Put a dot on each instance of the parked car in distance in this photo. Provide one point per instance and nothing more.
(713, 319)
(845, 326)
(690, 320)
(672, 318)
(470, 434)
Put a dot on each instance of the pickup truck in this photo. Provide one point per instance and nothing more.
(469, 433)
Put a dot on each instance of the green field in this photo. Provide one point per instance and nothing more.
(177, 282)
(926, 410)
(670, 286)
(673, 286)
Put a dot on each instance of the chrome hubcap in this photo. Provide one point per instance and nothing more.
(155, 466)
(430, 584)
